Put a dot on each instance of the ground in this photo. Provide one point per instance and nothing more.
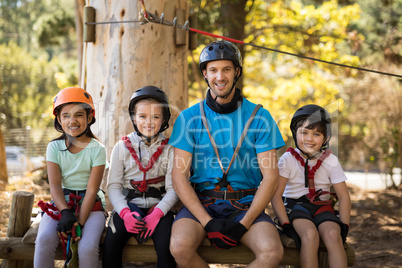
(375, 233)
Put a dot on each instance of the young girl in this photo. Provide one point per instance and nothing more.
(140, 181)
(306, 175)
(75, 165)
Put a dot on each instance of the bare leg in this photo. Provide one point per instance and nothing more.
(310, 242)
(330, 233)
(263, 239)
(187, 236)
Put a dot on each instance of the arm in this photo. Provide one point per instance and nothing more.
(170, 198)
(269, 168)
(180, 171)
(342, 193)
(56, 190)
(277, 202)
(116, 178)
(94, 182)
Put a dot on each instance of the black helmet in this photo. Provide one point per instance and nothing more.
(313, 113)
(220, 50)
(150, 92)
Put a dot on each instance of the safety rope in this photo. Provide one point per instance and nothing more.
(146, 17)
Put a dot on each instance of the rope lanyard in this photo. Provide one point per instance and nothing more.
(224, 182)
(146, 17)
(142, 187)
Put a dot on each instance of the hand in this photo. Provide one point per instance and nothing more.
(214, 232)
(151, 221)
(132, 221)
(344, 231)
(66, 221)
(235, 230)
(290, 231)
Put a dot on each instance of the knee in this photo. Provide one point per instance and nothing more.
(182, 250)
(271, 253)
(311, 238)
(332, 236)
(88, 249)
(178, 247)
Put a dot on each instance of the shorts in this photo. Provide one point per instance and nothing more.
(315, 213)
(223, 210)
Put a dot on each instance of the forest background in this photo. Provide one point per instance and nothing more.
(40, 54)
(40, 42)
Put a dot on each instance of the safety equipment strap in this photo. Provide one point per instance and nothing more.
(309, 176)
(142, 187)
(224, 182)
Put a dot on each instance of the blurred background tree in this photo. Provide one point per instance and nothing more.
(40, 39)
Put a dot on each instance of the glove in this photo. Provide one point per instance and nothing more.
(344, 231)
(214, 232)
(132, 221)
(235, 230)
(151, 221)
(290, 231)
(66, 221)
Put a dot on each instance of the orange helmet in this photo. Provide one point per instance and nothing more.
(73, 95)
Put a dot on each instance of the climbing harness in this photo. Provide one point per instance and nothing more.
(141, 187)
(72, 204)
(227, 194)
(313, 196)
(145, 17)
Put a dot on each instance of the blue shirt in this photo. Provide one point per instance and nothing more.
(190, 135)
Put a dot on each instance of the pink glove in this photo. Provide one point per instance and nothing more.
(151, 221)
(132, 221)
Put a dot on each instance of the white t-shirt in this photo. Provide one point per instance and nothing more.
(329, 173)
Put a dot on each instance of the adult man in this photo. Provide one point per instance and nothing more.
(223, 201)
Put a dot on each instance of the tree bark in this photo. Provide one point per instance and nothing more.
(234, 18)
(127, 56)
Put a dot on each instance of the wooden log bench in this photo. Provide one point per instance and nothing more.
(18, 247)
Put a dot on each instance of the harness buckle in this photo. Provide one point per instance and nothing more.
(224, 195)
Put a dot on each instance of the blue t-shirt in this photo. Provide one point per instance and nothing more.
(190, 135)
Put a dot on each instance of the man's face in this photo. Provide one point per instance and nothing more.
(220, 75)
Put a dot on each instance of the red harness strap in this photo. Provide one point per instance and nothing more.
(72, 204)
(142, 186)
(313, 194)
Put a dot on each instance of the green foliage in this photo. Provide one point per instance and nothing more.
(37, 58)
(381, 25)
(280, 82)
(27, 89)
(35, 23)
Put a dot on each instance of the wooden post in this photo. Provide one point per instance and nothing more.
(18, 223)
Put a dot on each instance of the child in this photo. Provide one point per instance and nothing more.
(140, 181)
(306, 175)
(75, 165)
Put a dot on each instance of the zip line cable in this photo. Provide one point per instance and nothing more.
(146, 17)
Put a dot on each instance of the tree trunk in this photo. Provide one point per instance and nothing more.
(125, 57)
(3, 158)
(234, 14)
